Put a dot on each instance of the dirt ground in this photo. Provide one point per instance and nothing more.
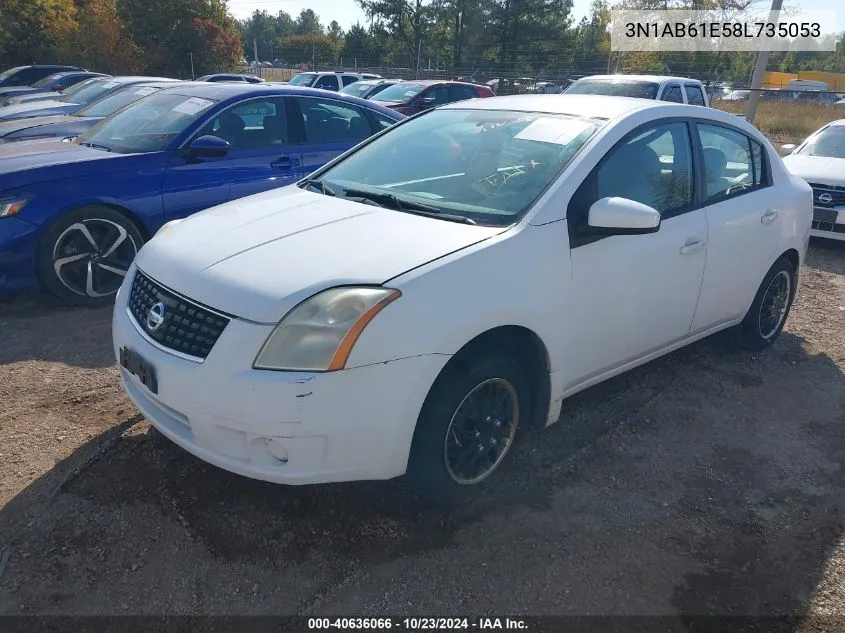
(708, 482)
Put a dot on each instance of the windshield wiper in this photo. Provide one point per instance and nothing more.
(407, 206)
(319, 184)
(105, 148)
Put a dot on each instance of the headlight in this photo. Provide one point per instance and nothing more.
(168, 225)
(11, 206)
(319, 333)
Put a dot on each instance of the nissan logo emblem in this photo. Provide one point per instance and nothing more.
(826, 198)
(155, 317)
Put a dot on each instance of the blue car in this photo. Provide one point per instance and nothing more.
(74, 214)
(71, 125)
(51, 83)
(71, 101)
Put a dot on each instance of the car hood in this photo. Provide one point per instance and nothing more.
(259, 256)
(7, 127)
(24, 164)
(822, 170)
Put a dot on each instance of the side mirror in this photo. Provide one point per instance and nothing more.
(787, 149)
(425, 102)
(621, 216)
(207, 146)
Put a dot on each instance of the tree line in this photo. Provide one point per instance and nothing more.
(509, 38)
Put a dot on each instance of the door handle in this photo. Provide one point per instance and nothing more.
(769, 216)
(285, 162)
(692, 245)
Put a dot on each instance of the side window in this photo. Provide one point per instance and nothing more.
(733, 163)
(694, 95)
(438, 95)
(327, 82)
(654, 168)
(459, 93)
(256, 124)
(30, 75)
(329, 121)
(673, 94)
(383, 121)
(348, 79)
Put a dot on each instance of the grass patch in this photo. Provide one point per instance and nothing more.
(786, 122)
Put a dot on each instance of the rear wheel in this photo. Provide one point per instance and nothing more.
(85, 254)
(768, 313)
(467, 428)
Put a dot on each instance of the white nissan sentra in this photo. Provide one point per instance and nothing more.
(409, 307)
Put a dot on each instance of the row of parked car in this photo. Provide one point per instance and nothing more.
(312, 287)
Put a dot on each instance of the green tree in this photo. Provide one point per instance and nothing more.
(307, 23)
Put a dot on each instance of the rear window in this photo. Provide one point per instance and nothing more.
(615, 88)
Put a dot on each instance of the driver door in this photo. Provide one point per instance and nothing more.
(635, 295)
(261, 157)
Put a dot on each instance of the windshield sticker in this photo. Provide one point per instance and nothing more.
(145, 91)
(192, 106)
(553, 130)
(410, 93)
(111, 84)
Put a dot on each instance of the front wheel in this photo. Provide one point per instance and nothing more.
(84, 256)
(467, 428)
(765, 319)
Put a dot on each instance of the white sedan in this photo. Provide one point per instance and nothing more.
(411, 305)
(820, 160)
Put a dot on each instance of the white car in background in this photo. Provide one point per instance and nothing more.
(409, 307)
(659, 87)
(820, 160)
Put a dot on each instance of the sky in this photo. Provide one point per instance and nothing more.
(347, 12)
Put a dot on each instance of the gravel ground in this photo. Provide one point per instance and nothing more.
(708, 482)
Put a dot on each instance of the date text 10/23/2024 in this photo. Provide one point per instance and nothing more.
(418, 624)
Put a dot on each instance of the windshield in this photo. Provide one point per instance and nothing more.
(89, 93)
(47, 81)
(399, 92)
(358, 88)
(148, 125)
(115, 101)
(829, 142)
(72, 90)
(303, 79)
(486, 165)
(10, 72)
(615, 88)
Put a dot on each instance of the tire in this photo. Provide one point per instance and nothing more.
(435, 470)
(84, 255)
(768, 313)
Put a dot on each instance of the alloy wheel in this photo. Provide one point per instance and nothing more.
(91, 257)
(775, 304)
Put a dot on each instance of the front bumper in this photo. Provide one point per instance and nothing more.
(829, 222)
(283, 427)
(18, 242)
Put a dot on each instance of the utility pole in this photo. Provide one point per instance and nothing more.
(313, 55)
(760, 70)
(255, 49)
(419, 52)
(193, 76)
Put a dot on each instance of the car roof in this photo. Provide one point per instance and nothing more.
(593, 106)
(223, 91)
(137, 78)
(654, 78)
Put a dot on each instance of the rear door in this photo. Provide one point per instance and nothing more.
(326, 128)
(459, 92)
(695, 95)
(261, 157)
(328, 82)
(672, 93)
(743, 215)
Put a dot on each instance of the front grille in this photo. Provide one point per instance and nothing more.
(833, 196)
(186, 327)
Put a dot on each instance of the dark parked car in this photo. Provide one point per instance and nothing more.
(51, 83)
(69, 103)
(410, 97)
(242, 77)
(72, 125)
(28, 75)
(367, 88)
(74, 214)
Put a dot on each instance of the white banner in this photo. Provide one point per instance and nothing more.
(722, 30)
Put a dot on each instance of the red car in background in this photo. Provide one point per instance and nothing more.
(410, 97)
